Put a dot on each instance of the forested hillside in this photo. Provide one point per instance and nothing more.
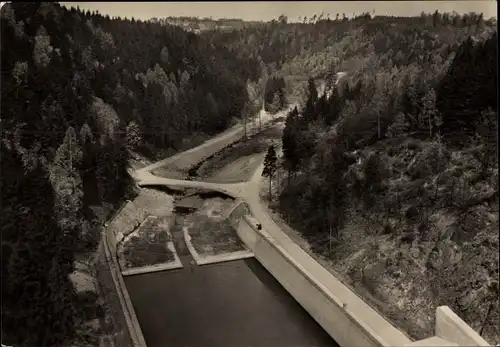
(319, 46)
(392, 174)
(79, 90)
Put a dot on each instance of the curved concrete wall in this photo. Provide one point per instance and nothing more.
(127, 317)
(451, 327)
(347, 325)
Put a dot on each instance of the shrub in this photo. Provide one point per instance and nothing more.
(431, 160)
(412, 213)
(376, 171)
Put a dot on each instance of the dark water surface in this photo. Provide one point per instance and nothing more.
(231, 304)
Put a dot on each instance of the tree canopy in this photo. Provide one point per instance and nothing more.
(79, 91)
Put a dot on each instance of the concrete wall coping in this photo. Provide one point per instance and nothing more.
(123, 295)
(451, 327)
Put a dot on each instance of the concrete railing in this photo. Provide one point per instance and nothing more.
(347, 325)
(127, 331)
(451, 327)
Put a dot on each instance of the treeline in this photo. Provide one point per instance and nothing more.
(78, 91)
(274, 97)
(203, 24)
(320, 44)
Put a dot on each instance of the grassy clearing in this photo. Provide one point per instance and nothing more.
(139, 252)
(237, 163)
(241, 170)
(149, 245)
(210, 237)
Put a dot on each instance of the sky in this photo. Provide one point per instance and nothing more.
(268, 10)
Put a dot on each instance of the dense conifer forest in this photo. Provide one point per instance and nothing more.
(78, 90)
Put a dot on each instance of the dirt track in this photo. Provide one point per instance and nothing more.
(181, 163)
(238, 171)
(236, 164)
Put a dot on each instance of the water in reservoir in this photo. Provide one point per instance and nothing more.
(231, 304)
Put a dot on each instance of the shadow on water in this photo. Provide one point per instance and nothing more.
(279, 292)
(178, 240)
(265, 277)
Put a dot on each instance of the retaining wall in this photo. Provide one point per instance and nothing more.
(126, 328)
(344, 324)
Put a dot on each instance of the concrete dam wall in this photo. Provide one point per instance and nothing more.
(352, 324)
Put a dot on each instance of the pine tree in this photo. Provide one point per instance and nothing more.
(428, 113)
(133, 135)
(42, 49)
(28, 277)
(61, 297)
(30, 268)
(164, 56)
(486, 137)
(68, 188)
(290, 143)
(322, 107)
(276, 103)
(468, 87)
(86, 136)
(270, 166)
(334, 108)
(309, 113)
(399, 126)
(493, 297)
